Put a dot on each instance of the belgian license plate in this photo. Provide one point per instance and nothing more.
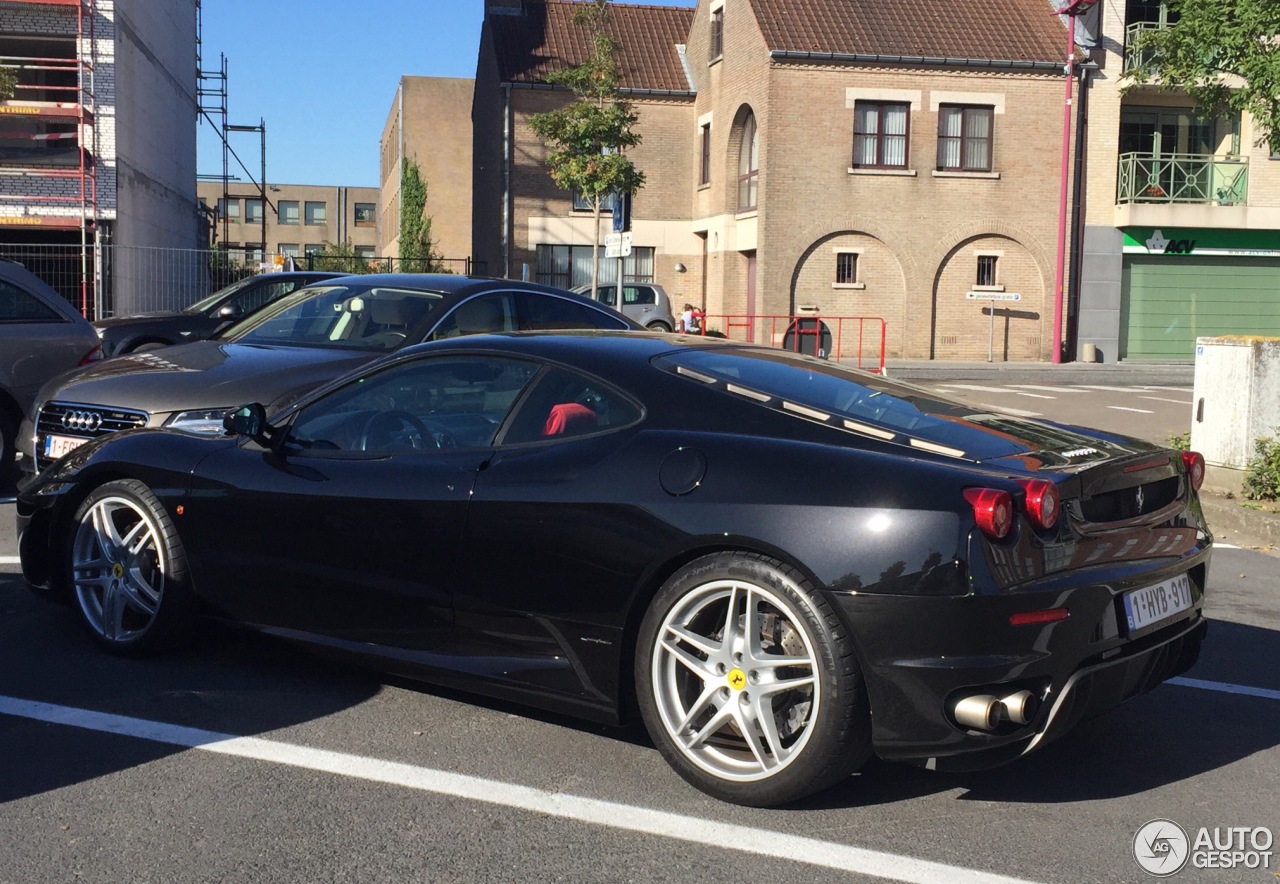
(56, 446)
(1155, 604)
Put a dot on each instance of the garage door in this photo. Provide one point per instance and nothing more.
(1168, 302)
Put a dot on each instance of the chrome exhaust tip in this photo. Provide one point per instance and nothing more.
(981, 711)
(1020, 707)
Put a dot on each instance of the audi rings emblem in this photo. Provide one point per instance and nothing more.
(85, 421)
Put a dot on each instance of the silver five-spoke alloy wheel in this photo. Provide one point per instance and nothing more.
(735, 680)
(118, 567)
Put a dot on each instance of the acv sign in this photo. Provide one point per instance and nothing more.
(1158, 243)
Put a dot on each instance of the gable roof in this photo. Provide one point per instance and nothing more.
(1008, 30)
(544, 39)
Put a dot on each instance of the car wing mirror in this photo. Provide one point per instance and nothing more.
(249, 420)
(229, 311)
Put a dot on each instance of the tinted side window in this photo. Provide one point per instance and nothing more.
(19, 305)
(255, 296)
(563, 404)
(478, 315)
(446, 402)
(538, 311)
(637, 294)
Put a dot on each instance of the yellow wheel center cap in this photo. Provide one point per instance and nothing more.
(737, 679)
(117, 570)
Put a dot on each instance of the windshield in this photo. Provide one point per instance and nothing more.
(355, 316)
(205, 303)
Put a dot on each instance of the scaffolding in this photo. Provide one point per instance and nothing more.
(53, 94)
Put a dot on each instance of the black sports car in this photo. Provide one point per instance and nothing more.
(787, 564)
(201, 320)
(287, 348)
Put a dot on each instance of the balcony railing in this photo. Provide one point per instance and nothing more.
(1134, 57)
(1183, 178)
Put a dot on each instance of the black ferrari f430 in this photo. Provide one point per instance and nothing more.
(786, 564)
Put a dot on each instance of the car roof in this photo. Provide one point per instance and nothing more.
(18, 274)
(450, 283)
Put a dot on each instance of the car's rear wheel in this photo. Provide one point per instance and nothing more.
(127, 569)
(748, 682)
(658, 327)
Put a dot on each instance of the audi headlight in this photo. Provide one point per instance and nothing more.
(207, 421)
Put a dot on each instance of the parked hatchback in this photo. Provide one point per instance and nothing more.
(289, 347)
(147, 331)
(642, 302)
(41, 335)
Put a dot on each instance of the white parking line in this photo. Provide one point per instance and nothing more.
(1174, 401)
(1138, 410)
(723, 836)
(1221, 687)
(972, 387)
(1108, 389)
(10, 560)
(1050, 389)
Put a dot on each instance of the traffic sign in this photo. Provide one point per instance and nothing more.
(993, 296)
(617, 245)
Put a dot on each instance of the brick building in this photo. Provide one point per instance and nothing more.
(98, 143)
(298, 219)
(1182, 215)
(856, 158)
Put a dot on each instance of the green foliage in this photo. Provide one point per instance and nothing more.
(226, 267)
(340, 258)
(417, 251)
(1180, 441)
(587, 140)
(1213, 43)
(8, 80)
(1262, 472)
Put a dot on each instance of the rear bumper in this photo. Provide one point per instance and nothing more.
(921, 655)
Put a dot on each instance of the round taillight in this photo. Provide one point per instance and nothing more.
(1041, 503)
(992, 510)
(1194, 463)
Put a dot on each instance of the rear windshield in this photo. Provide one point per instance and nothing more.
(864, 403)
(359, 317)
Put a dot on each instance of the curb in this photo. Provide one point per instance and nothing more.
(1239, 525)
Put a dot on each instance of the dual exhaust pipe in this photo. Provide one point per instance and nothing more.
(984, 712)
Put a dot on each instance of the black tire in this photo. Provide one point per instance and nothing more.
(807, 738)
(127, 571)
(8, 451)
(657, 326)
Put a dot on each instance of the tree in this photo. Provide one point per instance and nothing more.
(340, 258)
(587, 140)
(417, 251)
(1225, 54)
(8, 80)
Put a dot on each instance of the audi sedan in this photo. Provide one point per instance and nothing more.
(287, 348)
(786, 564)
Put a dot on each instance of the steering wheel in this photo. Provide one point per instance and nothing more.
(389, 339)
(396, 427)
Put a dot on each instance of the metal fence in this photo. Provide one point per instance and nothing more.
(859, 340)
(114, 280)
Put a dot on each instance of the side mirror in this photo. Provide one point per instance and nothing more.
(229, 311)
(247, 420)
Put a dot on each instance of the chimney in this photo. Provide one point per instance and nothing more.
(504, 7)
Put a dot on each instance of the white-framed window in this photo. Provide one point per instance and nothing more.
(749, 166)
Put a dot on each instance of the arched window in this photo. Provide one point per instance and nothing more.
(749, 166)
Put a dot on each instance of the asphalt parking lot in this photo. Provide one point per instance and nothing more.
(243, 759)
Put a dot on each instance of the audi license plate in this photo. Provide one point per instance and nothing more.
(1155, 604)
(56, 446)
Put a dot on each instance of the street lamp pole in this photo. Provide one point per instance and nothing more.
(1071, 10)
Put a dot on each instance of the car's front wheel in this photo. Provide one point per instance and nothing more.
(748, 682)
(127, 569)
(658, 326)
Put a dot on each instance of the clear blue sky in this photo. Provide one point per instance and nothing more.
(322, 75)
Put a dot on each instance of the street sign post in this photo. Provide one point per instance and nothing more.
(991, 327)
(617, 245)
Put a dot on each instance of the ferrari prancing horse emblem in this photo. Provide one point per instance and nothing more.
(737, 679)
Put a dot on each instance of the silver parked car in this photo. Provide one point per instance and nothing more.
(41, 335)
(642, 302)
